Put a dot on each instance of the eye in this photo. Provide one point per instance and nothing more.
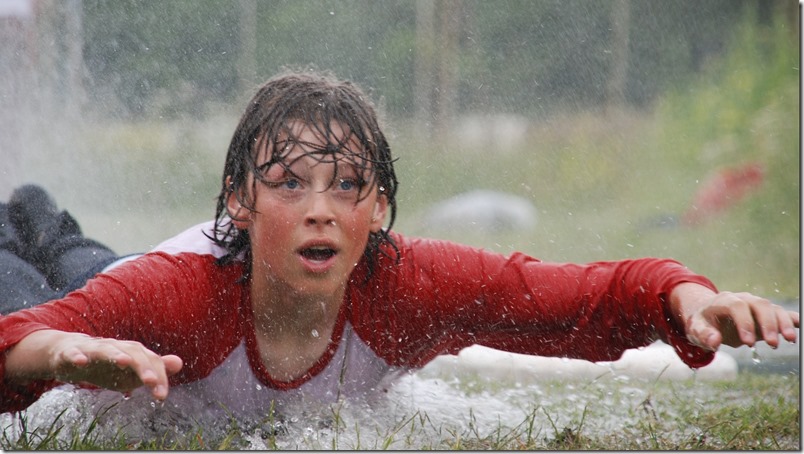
(347, 185)
(291, 183)
(287, 184)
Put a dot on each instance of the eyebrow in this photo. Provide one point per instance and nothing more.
(341, 150)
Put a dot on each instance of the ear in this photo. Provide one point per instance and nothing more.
(378, 217)
(241, 216)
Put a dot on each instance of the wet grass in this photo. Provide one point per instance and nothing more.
(755, 412)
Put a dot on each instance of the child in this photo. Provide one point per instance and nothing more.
(297, 291)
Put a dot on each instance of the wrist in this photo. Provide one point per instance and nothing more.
(32, 357)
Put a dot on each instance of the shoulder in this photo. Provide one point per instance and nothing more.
(189, 258)
(426, 247)
(196, 239)
(418, 275)
(441, 258)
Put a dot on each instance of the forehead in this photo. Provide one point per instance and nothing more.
(299, 145)
(296, 138)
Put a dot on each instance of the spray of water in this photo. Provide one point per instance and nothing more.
(434, 408)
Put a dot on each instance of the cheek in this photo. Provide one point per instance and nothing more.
(359, 227)
(270, 224)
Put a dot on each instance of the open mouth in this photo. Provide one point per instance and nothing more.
(318, 253)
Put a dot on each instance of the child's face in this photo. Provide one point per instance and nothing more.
(312, 216)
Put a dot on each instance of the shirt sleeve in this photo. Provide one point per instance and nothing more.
(173, 304)
(443, 297)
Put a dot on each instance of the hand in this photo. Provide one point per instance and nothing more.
(77, 358)
(734, 319)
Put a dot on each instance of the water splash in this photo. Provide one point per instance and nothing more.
(755, 358)
(424, 410)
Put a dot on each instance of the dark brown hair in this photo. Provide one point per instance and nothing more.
(317, 100)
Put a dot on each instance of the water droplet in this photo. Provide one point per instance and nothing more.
(314, 333)
(755, 356)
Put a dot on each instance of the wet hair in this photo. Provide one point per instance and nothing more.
(318, 100)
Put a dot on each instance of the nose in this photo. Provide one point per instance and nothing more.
(320, 209)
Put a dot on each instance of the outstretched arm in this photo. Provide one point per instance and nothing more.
(78, 358)
(712, 319)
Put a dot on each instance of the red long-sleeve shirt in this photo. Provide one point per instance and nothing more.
(439, 298)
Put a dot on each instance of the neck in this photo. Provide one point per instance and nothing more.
(292, 330)
(284, 313)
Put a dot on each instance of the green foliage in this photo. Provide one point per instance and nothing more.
(170, 57)
(726, 103)
(744, 109)
(603, 181)
(160, 58)
(365, 41)
(598, 177)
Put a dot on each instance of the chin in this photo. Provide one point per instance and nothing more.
(320, 291)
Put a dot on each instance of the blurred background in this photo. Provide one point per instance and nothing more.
(616, 128)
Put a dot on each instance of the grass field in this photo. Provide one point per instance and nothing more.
(757, 411)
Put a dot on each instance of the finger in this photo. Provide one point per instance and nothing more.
(146, 364)
(74, 356)
(738, 308)
(99, 350)
(773, 320)
(134, 365)
(156, 370)
(730, 316)
(703, 334)
(173, 364)
(788, 322)
(766, 320)
(77, 358)
(144, 376)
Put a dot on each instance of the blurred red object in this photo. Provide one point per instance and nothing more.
(722, 189)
